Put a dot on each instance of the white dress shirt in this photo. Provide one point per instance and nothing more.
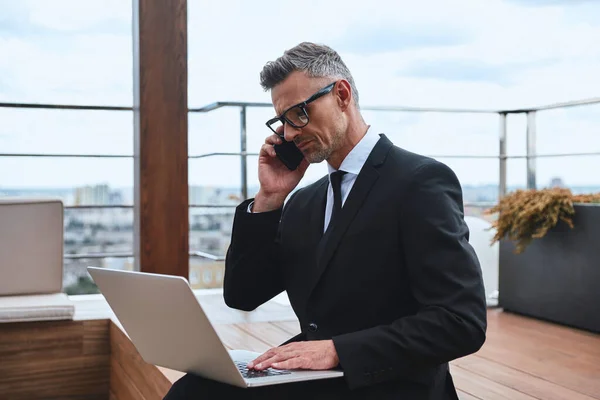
(352, 164)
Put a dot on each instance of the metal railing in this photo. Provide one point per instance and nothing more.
(88, 256)
(531, 148)
(92, 206)
(530, 156)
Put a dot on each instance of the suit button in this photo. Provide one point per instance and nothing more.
(312, 327)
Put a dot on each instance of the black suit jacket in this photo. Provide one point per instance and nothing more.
(394, 283)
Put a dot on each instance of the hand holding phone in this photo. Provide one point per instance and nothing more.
(281, 166)
(289, 154)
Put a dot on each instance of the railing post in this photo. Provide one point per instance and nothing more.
(502, 158)
(243, 157)
(531, 150)
(160, 137)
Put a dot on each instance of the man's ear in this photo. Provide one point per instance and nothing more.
(343, 92)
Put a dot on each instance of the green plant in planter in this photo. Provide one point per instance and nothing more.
(525, 215)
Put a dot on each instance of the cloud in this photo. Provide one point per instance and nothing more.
(474, 70)
(14, 18)
(65, 52)
(460, 70)
(43, 20)
(91, 69)
(368, 40)
(546, 3)
(78, 16)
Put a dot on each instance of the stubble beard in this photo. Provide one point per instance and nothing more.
(321, 153)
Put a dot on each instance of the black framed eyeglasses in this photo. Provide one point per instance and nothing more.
(296, 115)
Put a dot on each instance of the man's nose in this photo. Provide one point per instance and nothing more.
(289, 132)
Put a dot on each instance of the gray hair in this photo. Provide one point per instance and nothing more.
(317, 61)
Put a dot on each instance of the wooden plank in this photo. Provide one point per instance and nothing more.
(466, 396)
(219, 313)
(581, 342)
(530, 352)
(84, 376)
(65, 359)
(574, 349)
(36, 339)
(112, 396)
(266, 331)
(236, 338)
(161, 226)
(291, 327)
(484, 388)
(121, 385)
(543, 350)
(96, 338)
(146, 378)
(547, 368)
(518, 380)
(583, 364)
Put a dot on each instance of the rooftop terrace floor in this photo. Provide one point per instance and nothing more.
(523, 358)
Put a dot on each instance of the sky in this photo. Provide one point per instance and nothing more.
(492, 54)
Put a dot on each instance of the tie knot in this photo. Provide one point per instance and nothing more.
(336, 177)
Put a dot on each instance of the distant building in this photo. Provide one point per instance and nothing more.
(557, 183)
(213, 195)
(116, 198)
(96, 195)
(200, 194)
(206, 274)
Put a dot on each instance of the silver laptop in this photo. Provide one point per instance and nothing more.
(169, 328)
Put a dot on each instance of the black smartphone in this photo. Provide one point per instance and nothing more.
(289, 154)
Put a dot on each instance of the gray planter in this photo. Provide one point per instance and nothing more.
(557, 277)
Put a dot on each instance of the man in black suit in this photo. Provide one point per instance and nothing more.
(375, 257)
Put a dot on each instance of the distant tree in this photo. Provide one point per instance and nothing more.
(84, 285)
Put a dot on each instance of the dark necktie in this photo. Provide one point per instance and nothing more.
(336, 185)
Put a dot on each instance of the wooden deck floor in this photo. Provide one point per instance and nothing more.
(522, 358)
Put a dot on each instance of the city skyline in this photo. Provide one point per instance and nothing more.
(231, 195)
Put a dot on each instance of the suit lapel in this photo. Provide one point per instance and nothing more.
(357, 196)
(318, 211)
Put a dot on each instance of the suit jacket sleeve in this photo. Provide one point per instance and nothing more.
(445, 279)
(252, 272)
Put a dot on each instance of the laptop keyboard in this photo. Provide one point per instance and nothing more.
(246, 373)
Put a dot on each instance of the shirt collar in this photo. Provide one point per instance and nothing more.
(357, 157)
